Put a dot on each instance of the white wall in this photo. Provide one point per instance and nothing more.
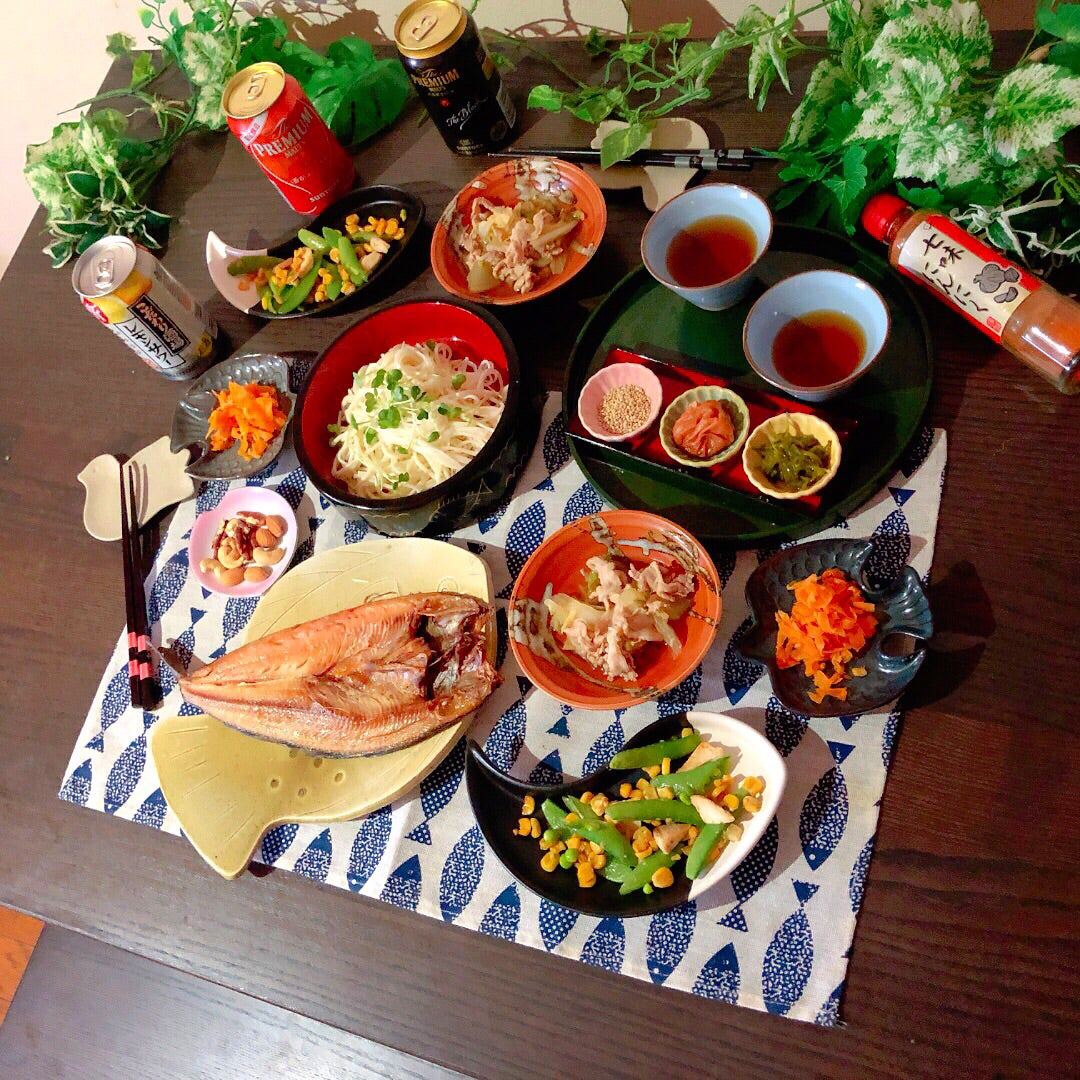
(52, 53)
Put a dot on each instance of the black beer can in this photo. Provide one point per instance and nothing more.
(454, 76)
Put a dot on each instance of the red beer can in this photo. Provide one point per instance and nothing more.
(271, 115)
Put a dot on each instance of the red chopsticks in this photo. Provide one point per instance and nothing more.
(140, 672)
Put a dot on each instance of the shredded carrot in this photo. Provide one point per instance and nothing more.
(250, 414)
(830, 622)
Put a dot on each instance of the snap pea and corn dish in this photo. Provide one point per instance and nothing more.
(324, 267)
(669, 817)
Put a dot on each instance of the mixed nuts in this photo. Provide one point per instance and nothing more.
(245, 547)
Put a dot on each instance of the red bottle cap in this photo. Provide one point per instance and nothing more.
(879, 212)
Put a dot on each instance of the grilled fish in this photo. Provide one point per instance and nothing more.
(368, 680)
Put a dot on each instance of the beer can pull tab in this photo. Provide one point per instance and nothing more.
(424, 25)
(104, 271)
(255, 86)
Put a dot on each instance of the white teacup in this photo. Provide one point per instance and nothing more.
(706, 201)
(801, 294)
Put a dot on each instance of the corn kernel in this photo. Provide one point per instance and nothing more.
(751, 804)
(371, 223)
(543, 844)
(536, 831)
(587, 797)
(636, 796)
(335, 255)
(599, 804)
(754, 784)
(663, 877)
(352, 219)
(391, 228)
(624, 790)
(692, 835)
(733, 833)
(559, 846)
(641, 785)
(549, 862)
(642, 833)
(653, 771)
(665, 766)
(649, 791)
(528, 806)
(595, 848)
(731, 802)
(403, 215)
(586, 876)
(348, 288)
(571, 818)
(343, 273)
(380, 227)
(352, 230)
(686, 731)
(665, 793)
(599, 860)
(524, 828)
(574, 843)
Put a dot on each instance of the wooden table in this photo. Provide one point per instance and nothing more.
(964, 959)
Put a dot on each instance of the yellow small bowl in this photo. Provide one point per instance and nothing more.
(793, 424)
(735, 407)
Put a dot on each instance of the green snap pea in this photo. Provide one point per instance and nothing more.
(583, 810)
(319, 244)
(553, 813)
(699, 850)
(616, 870)
(333, 289)
(248, 264)
(654, 810)
(295, 295)
(641, 757)
(357, 274)
(641, 875)
(331, 236)
(694, 781)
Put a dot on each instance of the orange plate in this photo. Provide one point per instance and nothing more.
(497, 184)
(559, 561)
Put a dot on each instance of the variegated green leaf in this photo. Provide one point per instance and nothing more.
(944, 154)
(950, 34)
(829, 83)
(1033, 106)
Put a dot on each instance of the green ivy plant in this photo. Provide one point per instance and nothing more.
(94, 174)
(903, 96)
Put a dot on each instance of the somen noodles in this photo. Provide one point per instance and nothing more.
(413, 418)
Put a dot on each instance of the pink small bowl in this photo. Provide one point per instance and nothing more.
(592, 393)
(259, 499)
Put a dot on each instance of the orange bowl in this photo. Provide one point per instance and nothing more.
(559, 563)
(498, 185)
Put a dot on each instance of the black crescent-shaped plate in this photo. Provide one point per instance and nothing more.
(380, 200)
(496, 801)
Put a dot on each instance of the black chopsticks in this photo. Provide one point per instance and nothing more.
(140, 672)
(711, 159)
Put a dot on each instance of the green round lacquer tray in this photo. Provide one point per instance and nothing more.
(886, 404)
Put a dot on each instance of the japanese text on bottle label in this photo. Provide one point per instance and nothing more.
(976, 280)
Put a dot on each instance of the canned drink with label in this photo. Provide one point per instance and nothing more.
(454, 76)
(125, 287)
(278, 126)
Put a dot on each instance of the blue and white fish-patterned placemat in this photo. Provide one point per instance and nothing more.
(775, 936)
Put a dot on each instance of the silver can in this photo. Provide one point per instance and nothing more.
(126, 289)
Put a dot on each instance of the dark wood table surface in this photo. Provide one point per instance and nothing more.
(965, 954)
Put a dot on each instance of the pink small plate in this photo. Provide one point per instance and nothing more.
(260, 500)
(592, 394)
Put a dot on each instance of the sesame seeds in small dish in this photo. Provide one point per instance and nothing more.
(619, 402)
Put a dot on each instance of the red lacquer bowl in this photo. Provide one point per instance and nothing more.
(498, 185)
(470, 331)
(559, 562)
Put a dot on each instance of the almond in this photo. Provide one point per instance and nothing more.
(256, 573)
(276, 524)
(264, 538)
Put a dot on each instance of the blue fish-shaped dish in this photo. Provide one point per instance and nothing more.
(902, 608)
